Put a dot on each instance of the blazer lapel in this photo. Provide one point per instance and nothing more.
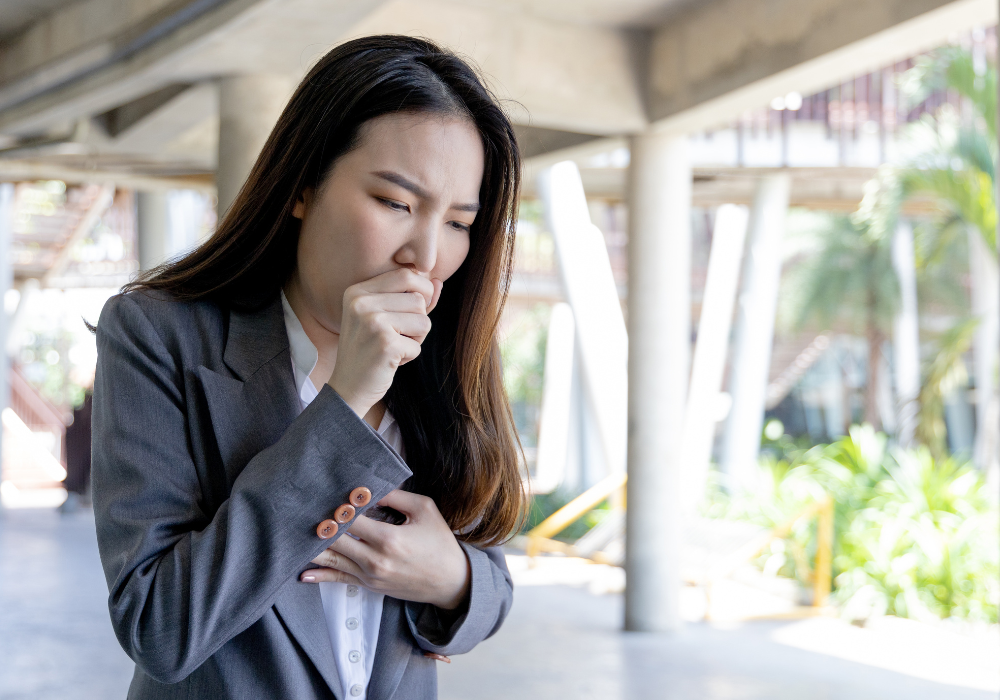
(249, 413)
(300, 607)
(393, 650)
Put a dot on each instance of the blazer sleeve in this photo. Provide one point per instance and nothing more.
(491, 593)
(183, 582)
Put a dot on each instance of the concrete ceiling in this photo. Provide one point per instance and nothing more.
(18, 15)
(621, 13)
(103, 81)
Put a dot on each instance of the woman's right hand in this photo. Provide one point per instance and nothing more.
(384, 322)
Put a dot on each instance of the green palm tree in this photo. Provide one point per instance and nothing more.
(850, 283)
(954, 161)
(954, 166)
(944, 372)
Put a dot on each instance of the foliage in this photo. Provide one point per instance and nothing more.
(523, 353)
(850, 280)
(850, 276)
(914, 536)
(945, 372)
(953, 156)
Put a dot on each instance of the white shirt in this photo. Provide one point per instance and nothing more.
(353, 613)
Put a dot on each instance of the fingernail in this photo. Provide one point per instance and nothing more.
(308, 578)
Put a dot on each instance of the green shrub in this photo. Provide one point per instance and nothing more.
(914, 536)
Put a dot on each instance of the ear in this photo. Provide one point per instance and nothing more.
(302, 203)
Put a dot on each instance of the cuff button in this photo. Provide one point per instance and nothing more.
(326, 529)
(344, 513)
(360, 497)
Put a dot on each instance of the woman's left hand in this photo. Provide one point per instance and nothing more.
(419, 561)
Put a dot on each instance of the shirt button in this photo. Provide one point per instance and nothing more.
(352, 623)
(354, 657)
(352, 590)
(356, 690)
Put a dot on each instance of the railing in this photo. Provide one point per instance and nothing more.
(540, 538)
(37, 413)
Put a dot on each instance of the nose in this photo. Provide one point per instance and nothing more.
(420, 250)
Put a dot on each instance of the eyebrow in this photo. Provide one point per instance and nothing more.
(410, 186)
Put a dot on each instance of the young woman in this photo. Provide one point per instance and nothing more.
(325, 365)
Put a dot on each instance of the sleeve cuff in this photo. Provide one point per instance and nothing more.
(441, 632)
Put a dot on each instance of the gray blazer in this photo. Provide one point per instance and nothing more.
(208, 487)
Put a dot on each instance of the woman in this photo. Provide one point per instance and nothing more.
(328, 355)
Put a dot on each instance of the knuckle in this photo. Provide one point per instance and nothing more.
(390, 540)
(357, 305)
(379, 567)
(386, 343)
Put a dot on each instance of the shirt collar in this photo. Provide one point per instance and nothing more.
(304, 354)
(304, 359)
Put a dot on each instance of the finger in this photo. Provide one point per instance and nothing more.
(400, 280)
(399, 302)
(341, 562)
(438, 286)
(410, 504)
(437, 657)
(371, 531)
(415, 326)
(329, 576)
(360, 552)
(411, 349)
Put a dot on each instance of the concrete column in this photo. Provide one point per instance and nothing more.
(754, 334)
(709, 363)
(659, 323)
(985, 307)
(249, 106)
(152, 226)
(6, 278)
(590, 288)
(906, 336)
(557, 389)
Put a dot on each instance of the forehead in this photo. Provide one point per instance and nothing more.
(436, 150)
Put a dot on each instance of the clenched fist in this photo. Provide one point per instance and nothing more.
(384, 322)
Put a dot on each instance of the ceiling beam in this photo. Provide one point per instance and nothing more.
(721, 58)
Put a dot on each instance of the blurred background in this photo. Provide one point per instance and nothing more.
(751, 342)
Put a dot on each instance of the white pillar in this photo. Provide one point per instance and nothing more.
(985, 307)
(659, 322)
(249, 106)
(906, 336)
(152, 228)
(6, 278)
(709, 364)
(590, 287)
(754, 334)
(557, 389)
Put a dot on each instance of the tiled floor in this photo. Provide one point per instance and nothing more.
(560, 642)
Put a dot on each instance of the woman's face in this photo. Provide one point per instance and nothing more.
(406, 196)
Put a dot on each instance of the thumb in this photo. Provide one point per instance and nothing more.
(438, 286)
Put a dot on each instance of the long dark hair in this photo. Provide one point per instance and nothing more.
(452, 410)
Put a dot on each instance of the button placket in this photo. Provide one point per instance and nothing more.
(355, 681)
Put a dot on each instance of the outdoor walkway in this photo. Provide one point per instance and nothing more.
(560, 642)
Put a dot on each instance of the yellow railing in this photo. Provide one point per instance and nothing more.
(539, 538)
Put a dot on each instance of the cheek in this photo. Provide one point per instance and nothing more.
(452, 253)
(349, 238)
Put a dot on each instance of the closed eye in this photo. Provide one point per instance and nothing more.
(393, 204)
(460, 226)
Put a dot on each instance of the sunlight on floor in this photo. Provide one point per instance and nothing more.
(921, 650)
